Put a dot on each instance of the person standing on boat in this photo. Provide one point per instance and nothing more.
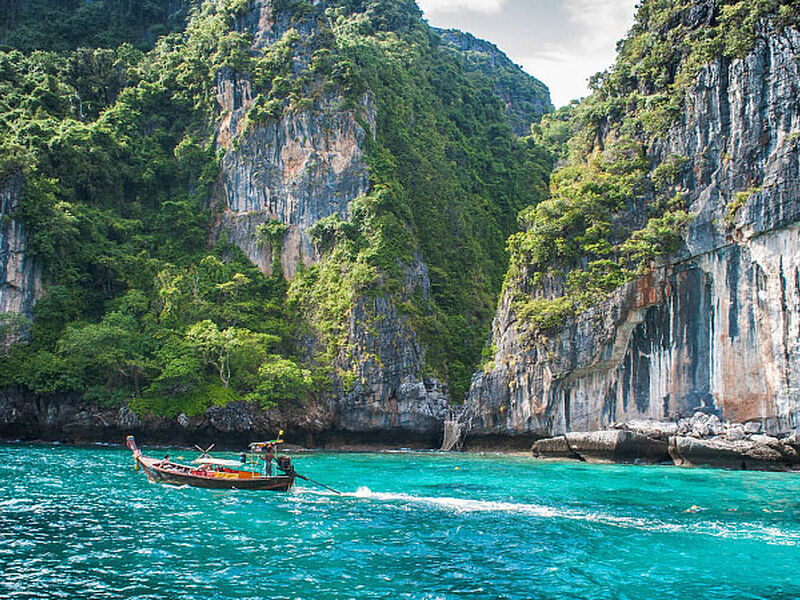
(268, 456)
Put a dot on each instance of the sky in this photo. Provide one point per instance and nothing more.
(560, 42)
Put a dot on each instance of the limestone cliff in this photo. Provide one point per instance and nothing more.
(362, 164)
(20, 276)
(296, 170)
(306, 165)
(389, 392)
(718, 326)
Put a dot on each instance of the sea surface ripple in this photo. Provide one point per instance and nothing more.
(80, 523)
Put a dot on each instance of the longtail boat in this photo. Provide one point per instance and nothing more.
(218, 474)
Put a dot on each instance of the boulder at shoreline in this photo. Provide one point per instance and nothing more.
(760, 452)
(617, 445)
(700, 440)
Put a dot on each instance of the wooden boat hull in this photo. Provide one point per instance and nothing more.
(173, 474)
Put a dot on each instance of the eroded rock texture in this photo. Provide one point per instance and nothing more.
(307, 165)
(296, 170)
(20, 277)
(719, 328)
(389, 392)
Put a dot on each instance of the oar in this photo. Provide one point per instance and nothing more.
(327, 487)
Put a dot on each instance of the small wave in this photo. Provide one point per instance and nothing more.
(772, 535)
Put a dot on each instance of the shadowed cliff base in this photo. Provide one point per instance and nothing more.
(499, 443)
(352, 441)
(69, 419)
(330, 441)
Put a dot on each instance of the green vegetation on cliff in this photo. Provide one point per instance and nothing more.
(117, 147)
(448, 177)
(63, 25)
(117, 153)
(612, 214)
(668, 44)
(523, 95)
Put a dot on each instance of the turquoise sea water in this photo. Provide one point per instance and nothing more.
(80, 523)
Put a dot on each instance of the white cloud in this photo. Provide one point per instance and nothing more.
(566, 74)
(594, 28)
(599, 24)
(475, 6)
(605, 19)
(561, 42)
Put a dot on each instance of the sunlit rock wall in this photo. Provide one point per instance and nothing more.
(298, 169)
(719, 328)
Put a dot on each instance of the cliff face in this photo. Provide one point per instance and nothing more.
(20, 277)
(389, 392)
(305, 166)
(716, 328)
(296, 170)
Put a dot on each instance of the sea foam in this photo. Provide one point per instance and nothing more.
(753, 531)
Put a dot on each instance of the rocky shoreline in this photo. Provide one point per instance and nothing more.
(702, 440)
(67, 418)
